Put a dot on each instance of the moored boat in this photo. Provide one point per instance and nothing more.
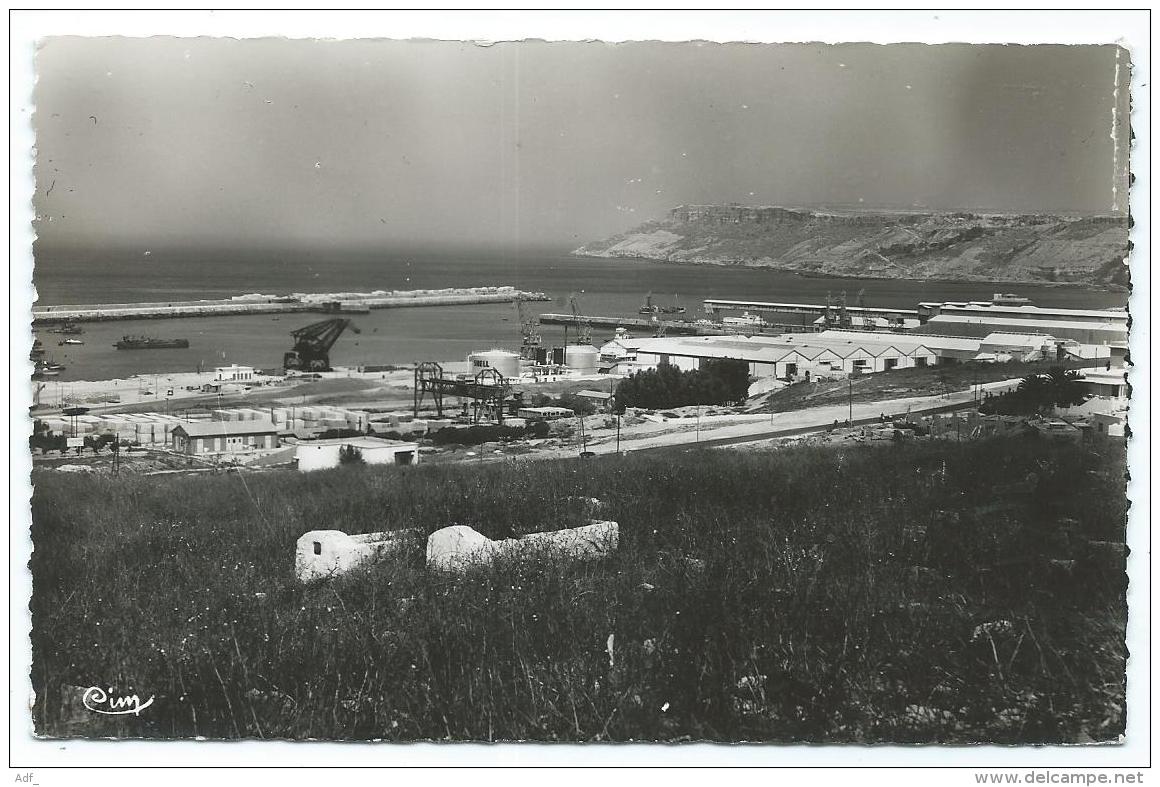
(150, 343)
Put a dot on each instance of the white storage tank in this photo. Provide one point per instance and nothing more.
(504, 362)
(583, 358)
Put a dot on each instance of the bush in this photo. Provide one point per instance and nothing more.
(350, 455)
(474, 435)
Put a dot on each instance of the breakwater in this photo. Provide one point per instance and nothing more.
(326, 303)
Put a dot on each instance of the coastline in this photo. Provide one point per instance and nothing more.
(705, 263)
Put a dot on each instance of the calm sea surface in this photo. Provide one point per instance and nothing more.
(603, 287)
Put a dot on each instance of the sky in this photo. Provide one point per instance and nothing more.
(279, 143)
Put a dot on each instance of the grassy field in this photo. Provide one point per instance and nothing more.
(846, 595)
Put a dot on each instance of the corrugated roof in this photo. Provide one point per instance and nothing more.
(1044, 326)
(899, 341)
(715, 347)
(1021, 339)
(226, 428)
(1032, 312)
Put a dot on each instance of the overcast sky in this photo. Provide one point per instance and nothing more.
(272, 142)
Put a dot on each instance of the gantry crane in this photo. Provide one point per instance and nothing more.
(312, 345)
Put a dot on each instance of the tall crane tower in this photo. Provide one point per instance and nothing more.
(530, 331)
(583, 327)
(311, 352)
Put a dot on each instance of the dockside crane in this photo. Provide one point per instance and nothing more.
(311, 352)
(530, 331)
(583, 327)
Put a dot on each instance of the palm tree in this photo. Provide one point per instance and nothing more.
(1036, 391)
(1066, 389)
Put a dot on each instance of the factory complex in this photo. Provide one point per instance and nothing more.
(840, 343)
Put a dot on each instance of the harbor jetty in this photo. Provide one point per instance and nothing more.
(326, 303)
(670, 326)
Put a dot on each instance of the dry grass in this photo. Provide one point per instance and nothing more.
(804, 594)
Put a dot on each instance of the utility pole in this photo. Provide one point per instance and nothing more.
(850, 419)
(698, 423)
(615, 409)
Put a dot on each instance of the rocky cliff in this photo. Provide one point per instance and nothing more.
(899, 245)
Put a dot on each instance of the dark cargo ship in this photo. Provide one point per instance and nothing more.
(149, 343)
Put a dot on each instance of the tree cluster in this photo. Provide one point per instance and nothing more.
(571, 401)
(718, 381)
(1039, 393)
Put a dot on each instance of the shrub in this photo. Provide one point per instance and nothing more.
(350, 455)
(474, 435)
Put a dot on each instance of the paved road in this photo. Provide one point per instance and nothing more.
(799, 422)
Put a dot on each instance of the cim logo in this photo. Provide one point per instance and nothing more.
(99, 701)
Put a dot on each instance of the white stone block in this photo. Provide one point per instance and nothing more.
(327, 553)
(457, 548)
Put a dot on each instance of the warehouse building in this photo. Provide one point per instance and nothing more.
(1025, 312)
(234, 373)
(323, 454)
(981, 324)
(798, 356)
(791, 356)
(224, 437)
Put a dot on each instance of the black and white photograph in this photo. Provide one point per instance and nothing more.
(417, 389)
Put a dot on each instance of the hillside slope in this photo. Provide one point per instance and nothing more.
(958, 246)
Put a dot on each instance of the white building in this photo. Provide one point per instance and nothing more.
(981, 323)
(1110, 384)
(323, 454)
(544, 413)
(233, 373)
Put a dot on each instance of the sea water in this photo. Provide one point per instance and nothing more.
(614, 287)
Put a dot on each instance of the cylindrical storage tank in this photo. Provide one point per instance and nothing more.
(557, 356)
(504, 362)
(581, 357)
(541, 355)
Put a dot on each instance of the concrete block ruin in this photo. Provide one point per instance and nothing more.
(327, 553)
(456, 549)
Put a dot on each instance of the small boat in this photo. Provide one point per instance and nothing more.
(69, 328)
(43, 370)
(70, 341)
(648, 307)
